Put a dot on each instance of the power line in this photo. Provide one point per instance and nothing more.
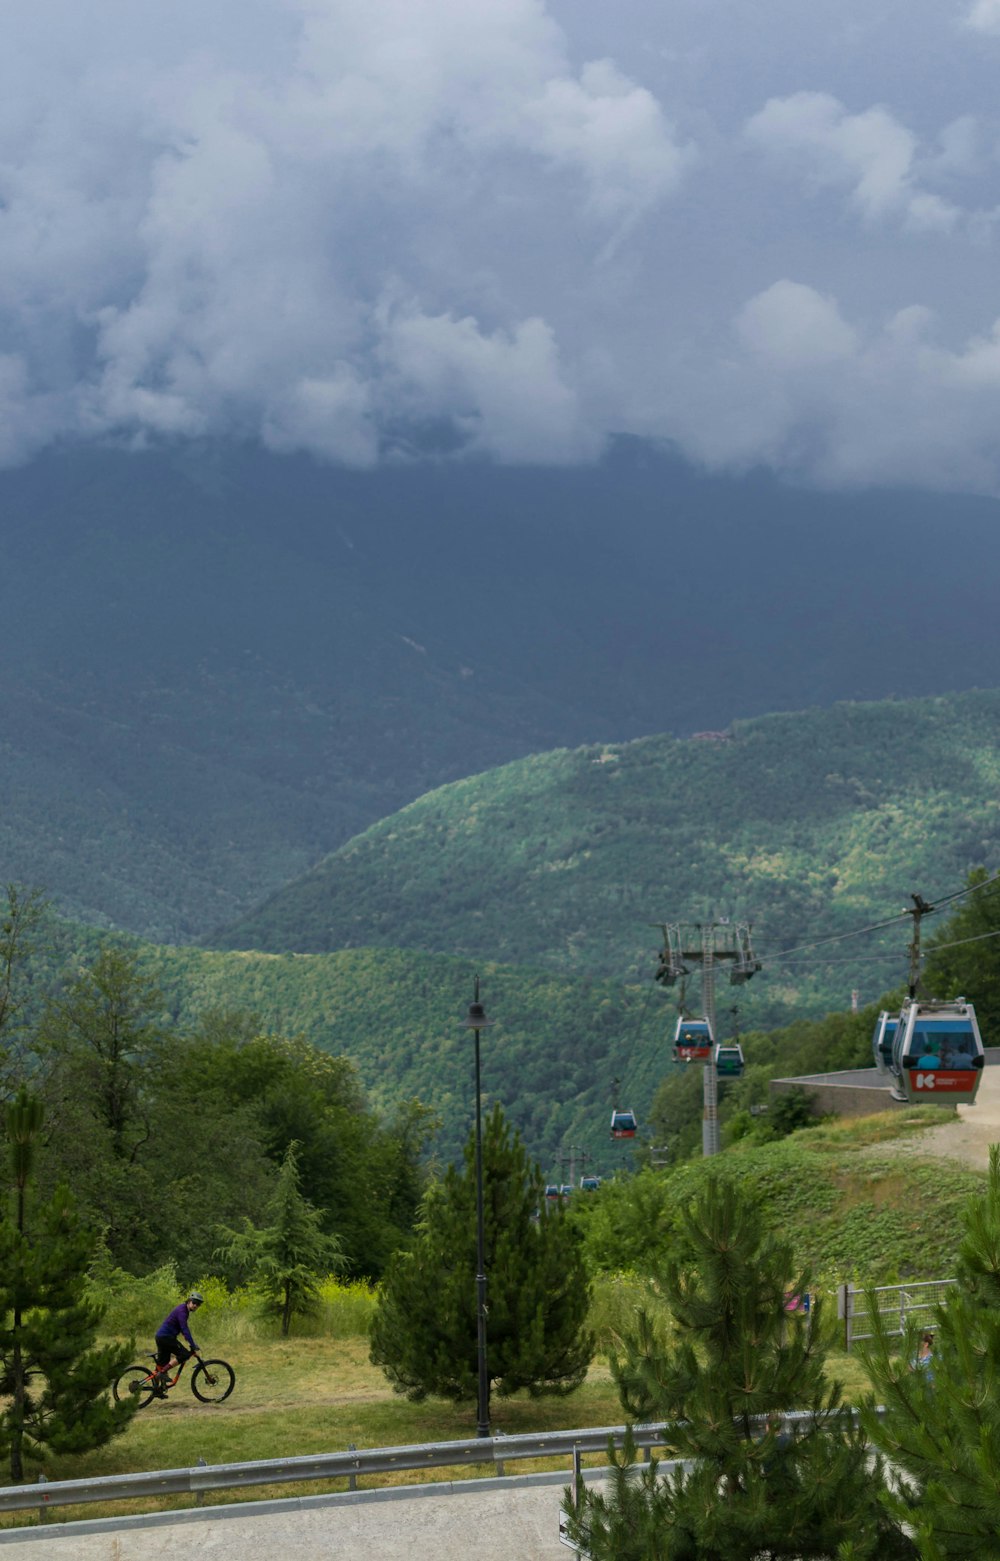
(961, 942)
(879, 926)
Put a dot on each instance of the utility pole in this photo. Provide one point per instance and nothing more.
(575, 1155)
(919, 911)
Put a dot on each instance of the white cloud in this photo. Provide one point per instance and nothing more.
(985, 17)
(504, 390)
(513, 227)
(870, 154)
(223, 223)
(792, 324)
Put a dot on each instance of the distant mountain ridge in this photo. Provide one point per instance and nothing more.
(219, 665)
(810, 825)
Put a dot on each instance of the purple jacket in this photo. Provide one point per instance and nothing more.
(175, 1324)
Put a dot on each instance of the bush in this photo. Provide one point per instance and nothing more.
(615, 1301)
(137, 1305)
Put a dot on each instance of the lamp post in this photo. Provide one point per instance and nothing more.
(477, 1021)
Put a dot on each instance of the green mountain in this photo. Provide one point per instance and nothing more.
(220, 665)
(810, 825)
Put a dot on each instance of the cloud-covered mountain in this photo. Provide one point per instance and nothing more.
(512, 228)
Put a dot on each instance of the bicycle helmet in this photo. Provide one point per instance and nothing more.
(196, 1297)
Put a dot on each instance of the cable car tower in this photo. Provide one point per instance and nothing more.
(703, 943)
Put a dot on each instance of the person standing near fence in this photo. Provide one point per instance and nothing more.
(924, 1358)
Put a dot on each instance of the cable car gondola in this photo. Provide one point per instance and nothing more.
(552, 1192)
(623, 1124)
(885, 1034)
(693, 1040)
(589, 1183)
(937, 1053)
(729, 1061)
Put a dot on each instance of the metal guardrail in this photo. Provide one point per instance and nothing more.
(200, 1478)
(349, 1466)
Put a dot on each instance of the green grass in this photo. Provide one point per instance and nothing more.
(299, 1396)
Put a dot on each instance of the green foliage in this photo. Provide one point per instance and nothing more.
(732, 1364)
(615, 1299)
(363, 1173)
(99, 1040)
(288, 1257)
(942, 1423)
(54, 1377)
(799, 820)
(629, 1225)
(424, 1335)
(790, 1111)
(963, 955)
(21, 920)
(849, 1210)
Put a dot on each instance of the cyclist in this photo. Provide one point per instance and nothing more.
(168, 1342)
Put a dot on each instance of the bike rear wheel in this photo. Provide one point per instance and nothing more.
(212, 1381)
(135, 1384)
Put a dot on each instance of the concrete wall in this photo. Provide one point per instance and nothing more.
(857, 1092)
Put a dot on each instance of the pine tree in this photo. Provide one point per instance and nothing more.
(424, 1334)
(287, 1257)
(941, 1426)
(732, 1362)
(54, 1378)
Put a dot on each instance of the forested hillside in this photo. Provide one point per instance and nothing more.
(810, 825)
(220, 665)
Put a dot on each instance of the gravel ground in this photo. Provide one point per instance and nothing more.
(967, 1139)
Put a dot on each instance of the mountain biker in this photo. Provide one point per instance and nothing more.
(168, 1341)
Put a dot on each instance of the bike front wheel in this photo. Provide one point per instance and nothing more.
(212, 1381)
(134, 1385)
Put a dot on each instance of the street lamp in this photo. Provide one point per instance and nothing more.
(477, 1021)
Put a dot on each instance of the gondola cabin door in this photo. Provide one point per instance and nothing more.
(937, 1054)
(885, 1034)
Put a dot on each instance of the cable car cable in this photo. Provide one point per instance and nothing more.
(891, 921)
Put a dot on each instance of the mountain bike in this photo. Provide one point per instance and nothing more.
(211, 1381)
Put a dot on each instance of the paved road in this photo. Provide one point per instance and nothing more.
(490, 1520)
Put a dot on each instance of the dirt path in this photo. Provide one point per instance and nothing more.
(969, 1138)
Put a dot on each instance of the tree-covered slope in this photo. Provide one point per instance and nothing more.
(219, 664)
(809, 824)
(551, 1055)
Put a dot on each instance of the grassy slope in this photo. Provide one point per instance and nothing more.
(857, 1199)
(809, 824)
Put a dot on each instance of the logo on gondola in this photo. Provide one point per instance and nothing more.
(925, 1081)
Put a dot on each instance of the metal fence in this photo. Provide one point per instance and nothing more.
(897, 1305)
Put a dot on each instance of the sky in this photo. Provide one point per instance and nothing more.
(762, 231)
